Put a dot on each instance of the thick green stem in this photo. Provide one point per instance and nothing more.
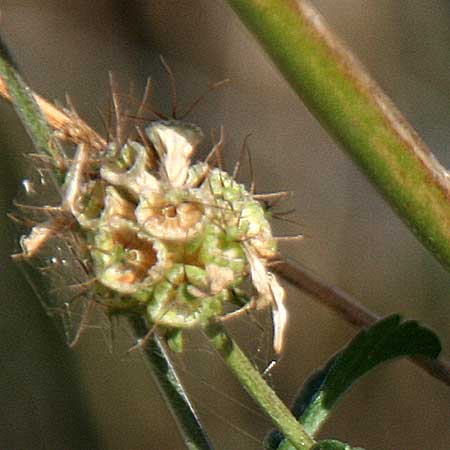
(256, 386)
(357, 113)
(156, 356)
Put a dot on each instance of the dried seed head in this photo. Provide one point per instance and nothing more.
(177, 239)
(181, 300)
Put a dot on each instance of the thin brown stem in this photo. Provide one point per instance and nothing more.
(349, 309)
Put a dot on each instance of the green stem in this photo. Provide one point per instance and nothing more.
(28, 110)
(156, 356)
(252, 381)
(356, 113)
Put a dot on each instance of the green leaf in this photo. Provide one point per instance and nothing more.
(303, 399)
(386, 340)
(331, 444)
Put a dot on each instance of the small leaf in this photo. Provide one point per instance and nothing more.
(384, 341)
(331, 444)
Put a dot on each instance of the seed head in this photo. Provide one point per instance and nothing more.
(174, 238)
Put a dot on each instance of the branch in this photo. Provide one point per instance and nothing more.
(350, 310)
(27, 109)
(356, 112)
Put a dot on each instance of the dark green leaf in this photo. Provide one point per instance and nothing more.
(386, 340)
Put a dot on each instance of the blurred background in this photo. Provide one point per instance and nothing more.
(89, 398)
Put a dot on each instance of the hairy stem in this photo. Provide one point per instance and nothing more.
(27, 109)
(74, 129)
(356, 112)
(157, 358)
(252, 381)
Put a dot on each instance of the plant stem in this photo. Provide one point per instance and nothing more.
(356, 112)
(158, 359)
(253, 382)
(27, 109)
(74, 129)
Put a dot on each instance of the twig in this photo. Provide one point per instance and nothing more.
(348, 308)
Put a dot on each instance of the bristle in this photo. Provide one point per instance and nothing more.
(117, 111)
(201, 97)
(216, 151)
(173, 86)
(297, 237)
(272, 196)
(145, 98)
